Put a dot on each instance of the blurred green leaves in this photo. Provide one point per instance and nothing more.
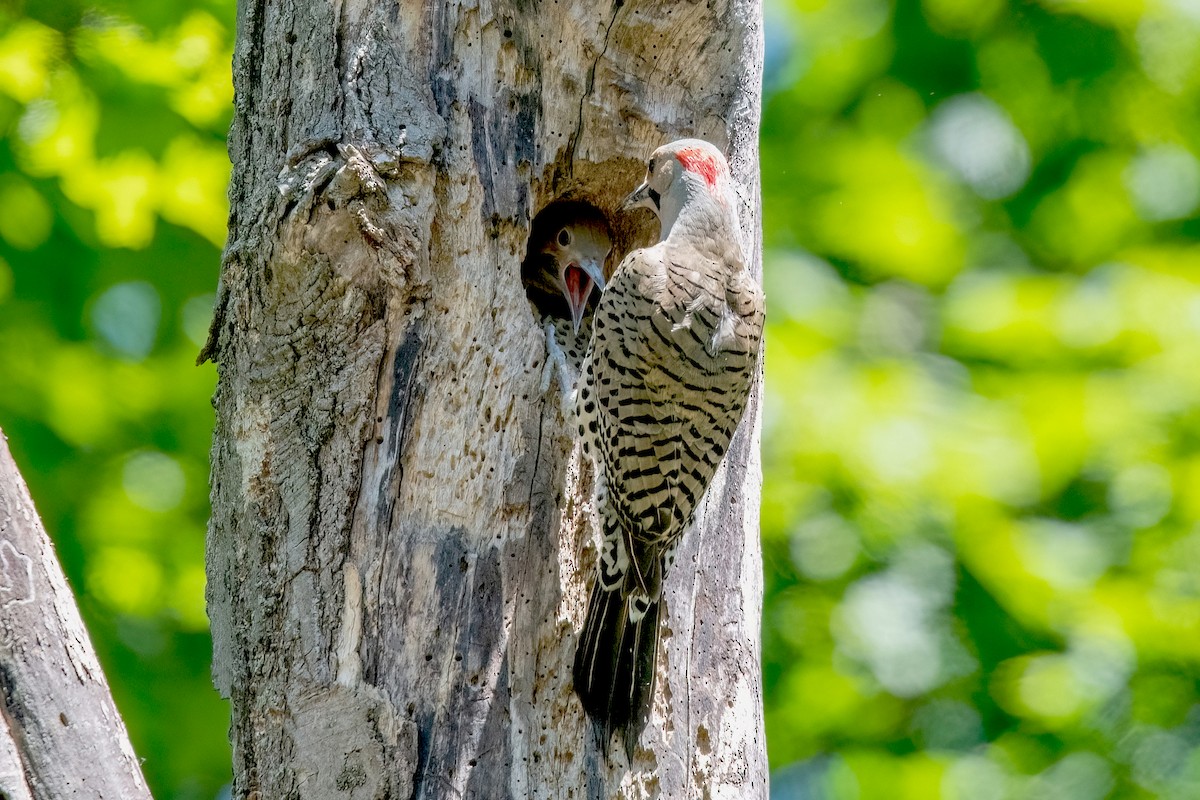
(112, 209)
(980, 517)
(169, 170)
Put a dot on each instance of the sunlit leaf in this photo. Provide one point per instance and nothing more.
(25, 216)
(28, 51)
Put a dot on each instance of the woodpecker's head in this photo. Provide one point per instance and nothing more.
(678, 173)
(576, 250)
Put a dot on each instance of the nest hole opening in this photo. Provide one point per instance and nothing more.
(567, 257)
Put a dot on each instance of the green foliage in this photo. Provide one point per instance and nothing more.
(112, 212)
(980, 520)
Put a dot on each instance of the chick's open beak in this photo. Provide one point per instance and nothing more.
(577, 284)
(595, 270)
(578, 278)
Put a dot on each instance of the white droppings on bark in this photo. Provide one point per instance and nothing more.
(349, 665)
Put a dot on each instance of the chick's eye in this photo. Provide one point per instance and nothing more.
(564, 237)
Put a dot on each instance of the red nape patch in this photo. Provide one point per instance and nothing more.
(703, 164)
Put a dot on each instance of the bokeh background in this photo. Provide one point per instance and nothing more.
(981, 517)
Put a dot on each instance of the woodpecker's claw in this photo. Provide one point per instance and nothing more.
(557, 363)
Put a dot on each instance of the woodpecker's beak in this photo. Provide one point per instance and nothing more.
(642, 197)
(577, 286)
(595, 270)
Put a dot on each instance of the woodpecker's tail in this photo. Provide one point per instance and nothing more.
(615, 661)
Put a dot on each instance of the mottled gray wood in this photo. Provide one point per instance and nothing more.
(60, 733)
(400, 551)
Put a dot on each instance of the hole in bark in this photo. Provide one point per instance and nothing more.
(567, 240)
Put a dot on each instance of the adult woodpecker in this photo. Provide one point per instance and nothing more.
(664, 383)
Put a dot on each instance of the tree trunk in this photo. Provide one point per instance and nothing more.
(400, 547)
(60, 733)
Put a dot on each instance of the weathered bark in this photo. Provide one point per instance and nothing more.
(60, 733)
(400, 548)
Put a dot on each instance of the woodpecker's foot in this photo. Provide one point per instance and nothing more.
(557, 363)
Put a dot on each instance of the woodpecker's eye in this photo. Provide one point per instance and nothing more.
(650, 167)
(564, 237)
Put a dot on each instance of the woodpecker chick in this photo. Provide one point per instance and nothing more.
(568, 249)
(664, 383)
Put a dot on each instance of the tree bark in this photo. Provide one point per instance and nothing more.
(400, 546)
(60, 733)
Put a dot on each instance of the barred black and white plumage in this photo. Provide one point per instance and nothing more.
(664, 383)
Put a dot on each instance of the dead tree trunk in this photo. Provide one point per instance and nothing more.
(399, 552)
(60, 733)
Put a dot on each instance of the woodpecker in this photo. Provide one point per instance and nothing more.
(664, 382)
(568, 248)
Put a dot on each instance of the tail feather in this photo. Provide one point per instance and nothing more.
(615, 662)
